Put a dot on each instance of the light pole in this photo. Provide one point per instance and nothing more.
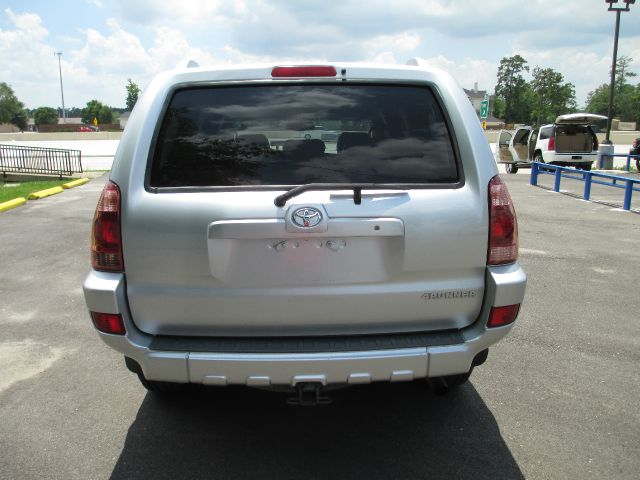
(64, 114)
(615, 6)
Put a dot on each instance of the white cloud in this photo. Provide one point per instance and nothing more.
(28, 64)
(171, 49)
(28, 23)
(97, 68)
(144, 37)
(385, 57)
(467, 73)
(117, 53)
(402, 42)
(186, 12)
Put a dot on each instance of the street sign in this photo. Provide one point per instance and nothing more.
(484, 107)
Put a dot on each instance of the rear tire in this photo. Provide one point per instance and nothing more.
(152, 385)
(445, 385)
(585, 166)
(511, 168)
(538, 158)
(161, 387)
(638, 164)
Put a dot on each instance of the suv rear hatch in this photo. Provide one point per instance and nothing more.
(574, 139)
(208, 253)
(573, 133)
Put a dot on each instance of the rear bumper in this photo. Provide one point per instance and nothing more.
(564, 159)
(105, 292)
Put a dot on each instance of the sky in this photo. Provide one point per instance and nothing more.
(103, 43)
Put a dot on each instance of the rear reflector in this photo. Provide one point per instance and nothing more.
(304, 71)
(503, 226)
(108, 323)
(500, 316)
(106, 240)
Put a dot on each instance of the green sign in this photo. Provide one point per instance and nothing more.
(484, 107)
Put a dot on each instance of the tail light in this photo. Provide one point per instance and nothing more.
(304, 71)
(552, 144)
(106, 238)
(503, 226)
(108, 323)
(500, 316)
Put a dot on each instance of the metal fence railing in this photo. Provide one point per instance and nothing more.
(627, 156)
(629, 185)
(50, 161)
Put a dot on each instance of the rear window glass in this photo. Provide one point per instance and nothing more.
(298, 134)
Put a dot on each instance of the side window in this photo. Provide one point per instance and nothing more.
(545, 133)
(521, 136)
(505, 137)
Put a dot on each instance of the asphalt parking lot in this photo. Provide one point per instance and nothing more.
(558, 398)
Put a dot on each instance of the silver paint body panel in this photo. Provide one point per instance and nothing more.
(231, 263)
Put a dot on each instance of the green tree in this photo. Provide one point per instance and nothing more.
(45, 116)
(598, 100)
(20, 119)
(551, 96)
(626, 99)
(95, 109)
(511, 87)
(498, 106)
(133, 91)
(622, 72)
(74, 112)
(11, 109)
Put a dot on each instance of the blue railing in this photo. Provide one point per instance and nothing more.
(628, 157)
(629, 185)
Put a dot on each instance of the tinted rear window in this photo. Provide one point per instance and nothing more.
(292, 135)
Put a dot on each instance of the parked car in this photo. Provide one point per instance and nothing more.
(570, 141)
(219, 258)
(88, 128)
(321, 133)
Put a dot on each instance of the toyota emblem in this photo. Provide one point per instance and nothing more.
(306, 217)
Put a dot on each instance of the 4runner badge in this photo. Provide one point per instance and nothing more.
(306, 217)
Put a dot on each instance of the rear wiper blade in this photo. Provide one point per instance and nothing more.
(357, 188)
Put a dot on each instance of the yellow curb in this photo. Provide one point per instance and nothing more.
(75, 183)
(45, 193)
(8, 205)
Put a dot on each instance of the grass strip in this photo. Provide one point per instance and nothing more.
(9, 191)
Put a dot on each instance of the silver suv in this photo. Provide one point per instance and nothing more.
(228, 249)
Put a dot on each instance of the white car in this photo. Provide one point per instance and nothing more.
(570, 141)
(320, 133)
